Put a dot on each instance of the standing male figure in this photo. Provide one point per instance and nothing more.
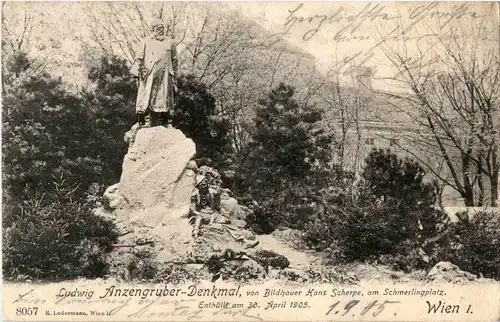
(156, 67)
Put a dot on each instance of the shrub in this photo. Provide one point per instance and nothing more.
(45, 131)
(196, 116)
(475, 244)
(176, 274)
(54, 236)
(228, 265)
(141, 269)
(389, 215)
(325, 274)
(284, 164)
(356, 228)
(267, 258)
(292, 275)
(245, 273)
(110, 103)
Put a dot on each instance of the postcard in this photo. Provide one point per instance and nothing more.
(250, 161)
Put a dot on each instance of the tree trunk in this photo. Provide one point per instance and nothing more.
(494, 177)
(468, 193)
(480, 184)
(494, 190)
(358, 141)
(343, 140)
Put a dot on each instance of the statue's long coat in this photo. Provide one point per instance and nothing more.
(156, 89)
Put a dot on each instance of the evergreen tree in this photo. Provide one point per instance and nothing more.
(287, 160)
(50, 167)
(399, 185)
(110, 102)
(286, 144)
(196, 116)
(45, 133)
(393, 178)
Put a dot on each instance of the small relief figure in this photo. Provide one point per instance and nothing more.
(156, 66)
(206, 210)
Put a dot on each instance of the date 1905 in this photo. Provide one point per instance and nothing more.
(356, 307)
(26, 311)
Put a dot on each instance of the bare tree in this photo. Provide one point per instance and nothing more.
(116, 28)
(17, 28)
(346, 103)
(455, 106)
(18, 25)
(221, 48)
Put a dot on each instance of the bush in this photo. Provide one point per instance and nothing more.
(110, 104)
(196, 117)
(54, 236)
(50, 138)
(324, 274)
(356, 228)
(389, 215)
(46, 131)
(175, 274)
(261, 220)
(228, 265)
(142, 269)
(284, 165)
(267, 258)
(475, 244)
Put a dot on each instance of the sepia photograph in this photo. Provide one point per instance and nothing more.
(250, 161)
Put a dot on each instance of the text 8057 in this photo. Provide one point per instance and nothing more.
(26, 311)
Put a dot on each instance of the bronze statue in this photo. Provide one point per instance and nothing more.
(156, 67)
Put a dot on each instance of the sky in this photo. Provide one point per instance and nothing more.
(336, 31)
(338, 34)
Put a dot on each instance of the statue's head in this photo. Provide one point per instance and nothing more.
(157, 28)
(201, 182)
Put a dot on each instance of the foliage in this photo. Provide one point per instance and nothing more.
(110, 102)
(326, 274)
(399, 184)
(285, 163)
(267, 258)
(245, 273)
(292, 275)
(390, 212)
(176, 274)
(227, 265)
(140, 269)
(475, 244)
(49, 131)
(216, 264)
(146, 268)
(285, 142)
(401, 180)
(196, 117)
(54, 235)
(45, 132)
(259, 221)
(51, 168)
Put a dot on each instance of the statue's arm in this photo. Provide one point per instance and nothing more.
(194, 205)
(138, 60)
(217, 201)
(175, 61)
